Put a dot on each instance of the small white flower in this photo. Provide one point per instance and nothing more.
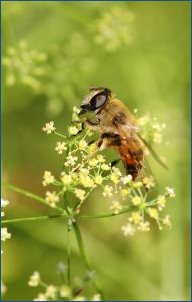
(4, 234)
(73, 130)
(100, 158)
(126, 179)
(93, 162)
(98, 179)
(170, 192)
(96, 297)
(153, 213)
(41, 297)
(161, 201)
(148, 182)
(48, 178)
(4, 203)
(52, 198)
(166, 221)
(66, 179)
(116, 171)
(135, 218)
(116, 207)
(105, 167)
(76, 109)
(79, 298)
(3, 288)
(65, 291)
(128, 229)
(80, 194)
(34, 279)
(82, 144)
(108, 191)
(60, 147)
(136, 200)
(49, 127)
(70, 160)
(114, 178)
(144, 226)
(51, 291)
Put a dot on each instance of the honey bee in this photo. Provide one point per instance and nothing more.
(117, 128)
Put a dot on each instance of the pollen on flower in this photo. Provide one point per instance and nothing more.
(170, 192)
(60, 147)
(128, 229)
(108, 191)
(136, 200)
(148, 182)
(34, 279)
(48, 178)
(80, 194)
(52, 198)
(49, 127)
(4, 234)
(116, 207)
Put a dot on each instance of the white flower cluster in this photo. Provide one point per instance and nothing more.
(150, 129)
(24, 65)
(53, 292)
(114, 28)
(4, 232)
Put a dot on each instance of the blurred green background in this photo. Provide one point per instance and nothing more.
(53, 52)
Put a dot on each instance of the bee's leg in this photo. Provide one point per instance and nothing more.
(91, 125)
(115, 162)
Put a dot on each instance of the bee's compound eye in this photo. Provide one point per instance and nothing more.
(100, 100)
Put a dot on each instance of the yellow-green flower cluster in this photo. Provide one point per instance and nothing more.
(150, 129)
(63, 291)
(85, 169)
(25, 66)
(114, 28)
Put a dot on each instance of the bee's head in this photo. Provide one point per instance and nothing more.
(95, 100)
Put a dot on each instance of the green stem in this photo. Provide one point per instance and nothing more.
(33, 196)
(30, 218)
(130, 208)
(85, 257)
(61, 135)
(68, 253)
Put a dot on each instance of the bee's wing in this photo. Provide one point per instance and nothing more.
(153, 152)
